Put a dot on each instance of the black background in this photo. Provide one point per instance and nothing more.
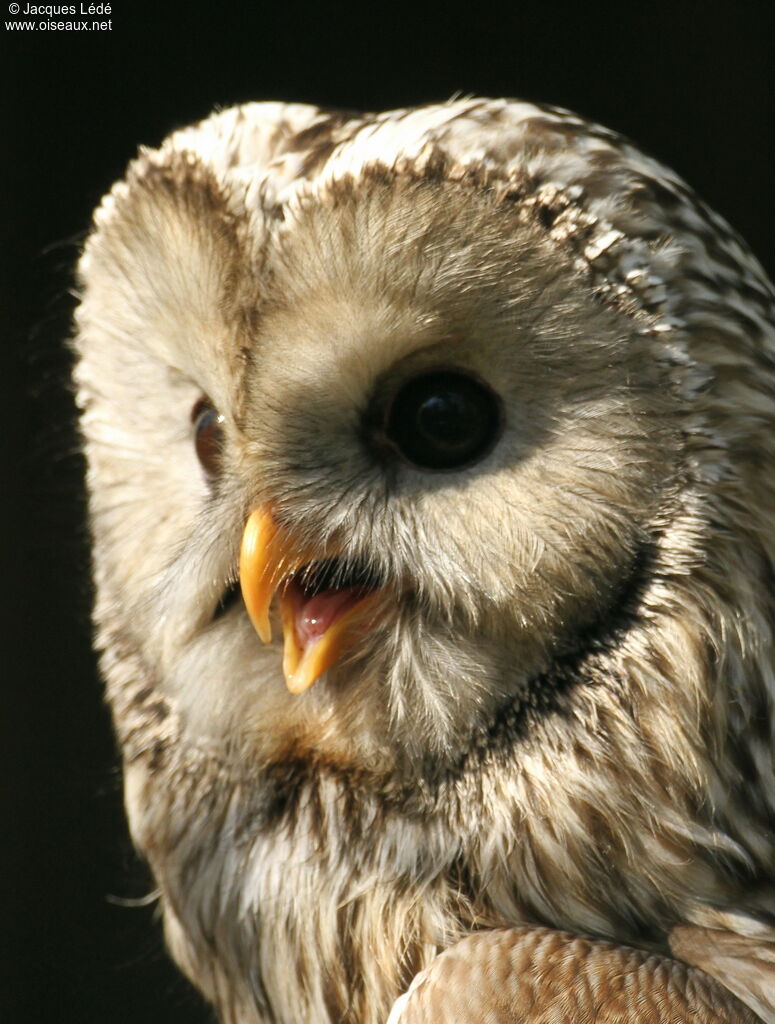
(692, 85)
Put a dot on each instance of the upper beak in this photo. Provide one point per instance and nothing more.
(269, 556)
(266, 557)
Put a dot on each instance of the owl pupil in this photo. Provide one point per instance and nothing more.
(208, 437)
(444, 420)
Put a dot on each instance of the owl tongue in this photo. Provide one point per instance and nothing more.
(314, 615)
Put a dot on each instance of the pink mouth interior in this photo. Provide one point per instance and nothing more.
(314, 614)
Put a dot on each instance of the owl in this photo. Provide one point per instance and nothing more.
(431, 471)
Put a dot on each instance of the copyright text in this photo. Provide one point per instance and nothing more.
(48, 16)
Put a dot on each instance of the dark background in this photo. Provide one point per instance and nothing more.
(691, 85)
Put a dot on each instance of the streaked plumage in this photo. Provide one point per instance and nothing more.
(558, 710)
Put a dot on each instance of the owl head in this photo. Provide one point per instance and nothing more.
(429, 462)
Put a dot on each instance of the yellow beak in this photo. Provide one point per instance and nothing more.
(268, 558)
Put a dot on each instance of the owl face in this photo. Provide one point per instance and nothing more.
(424, 467)
(462, 461)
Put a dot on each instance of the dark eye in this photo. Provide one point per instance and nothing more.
(208, 437)
(444, 420)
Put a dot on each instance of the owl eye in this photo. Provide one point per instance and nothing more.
(444, 420)
(208, 437)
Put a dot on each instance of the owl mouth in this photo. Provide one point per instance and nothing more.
(322, 590)
(326, 605)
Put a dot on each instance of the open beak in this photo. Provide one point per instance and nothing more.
(319, 625)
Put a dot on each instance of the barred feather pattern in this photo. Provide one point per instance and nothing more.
(557, 727)
(502, 976)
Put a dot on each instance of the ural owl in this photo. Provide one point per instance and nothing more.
(457, 423)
